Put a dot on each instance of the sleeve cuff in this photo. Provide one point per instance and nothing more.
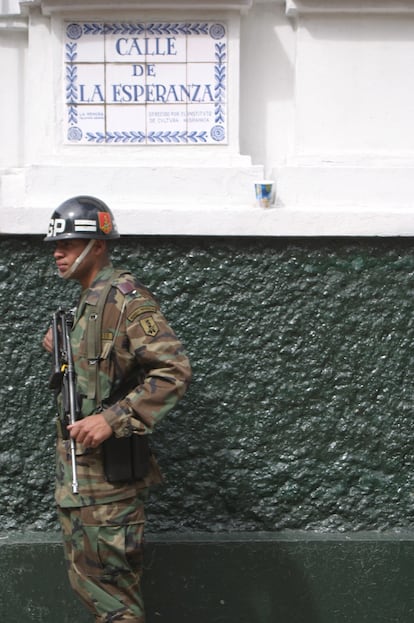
(120, 418)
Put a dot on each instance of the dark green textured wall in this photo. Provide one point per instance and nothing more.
(300, 412)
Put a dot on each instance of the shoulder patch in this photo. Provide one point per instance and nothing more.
(145, 308)
(125, 287)
(149, 326)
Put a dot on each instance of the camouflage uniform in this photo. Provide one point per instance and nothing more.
(103, 524)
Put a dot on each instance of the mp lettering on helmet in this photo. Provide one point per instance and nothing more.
(56, 226)
(105, 223)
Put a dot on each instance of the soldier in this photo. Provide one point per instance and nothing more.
(130, 371)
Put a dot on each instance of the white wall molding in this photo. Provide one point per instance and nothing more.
(13, 22)
(50, 7)
(295, 8)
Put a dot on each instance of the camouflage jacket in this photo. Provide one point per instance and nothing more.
(138, 345)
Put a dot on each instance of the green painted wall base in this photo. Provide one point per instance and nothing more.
(242, 578)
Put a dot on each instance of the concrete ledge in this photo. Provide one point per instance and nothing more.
(310, 200)
(230, 578)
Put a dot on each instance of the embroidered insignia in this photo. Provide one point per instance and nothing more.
(107, 336)
(146, 308)
(149, 325)
(105, 223)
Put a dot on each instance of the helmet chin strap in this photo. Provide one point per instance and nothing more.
(78, 260)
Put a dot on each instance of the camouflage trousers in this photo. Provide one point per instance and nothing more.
(103, 550)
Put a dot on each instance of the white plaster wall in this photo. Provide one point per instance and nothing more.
(351, 149)
(267, 84)
(330, 113)
(12, 63)
(9, 7)
(325, 107)
(355, 88)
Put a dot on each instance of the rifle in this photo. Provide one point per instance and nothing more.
(62, 379)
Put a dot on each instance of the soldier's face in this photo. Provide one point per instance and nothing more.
(81, 259)
(66, 252)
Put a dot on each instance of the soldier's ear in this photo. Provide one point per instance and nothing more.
(100, 247)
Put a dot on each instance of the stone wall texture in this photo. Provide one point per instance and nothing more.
(299, 416)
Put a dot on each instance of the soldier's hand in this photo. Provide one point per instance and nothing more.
(48, 340)
(91, 431)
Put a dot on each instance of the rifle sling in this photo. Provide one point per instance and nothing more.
(94, 339)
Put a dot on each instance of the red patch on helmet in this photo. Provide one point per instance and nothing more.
(105, 222)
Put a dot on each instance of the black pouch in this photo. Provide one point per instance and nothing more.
(126, 459)
(62, 428)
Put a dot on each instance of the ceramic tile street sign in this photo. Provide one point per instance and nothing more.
(146, 83)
